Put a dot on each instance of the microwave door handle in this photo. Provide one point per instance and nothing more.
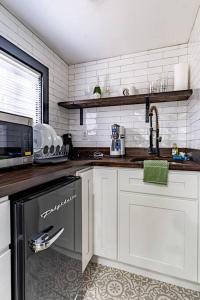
(40, 246)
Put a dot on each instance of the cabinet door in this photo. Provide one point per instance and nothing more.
(87, 217)
(4, 223)
(105, 212)
(159, 234)
(5, 276)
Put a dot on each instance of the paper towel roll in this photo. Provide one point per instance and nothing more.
(181, 76)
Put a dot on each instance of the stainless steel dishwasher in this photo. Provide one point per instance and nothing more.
(47, 241)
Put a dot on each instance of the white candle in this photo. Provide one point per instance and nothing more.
(181, 76)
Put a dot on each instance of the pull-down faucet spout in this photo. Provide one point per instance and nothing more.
(152, 149)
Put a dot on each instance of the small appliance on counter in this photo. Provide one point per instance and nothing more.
(47, 145)
(67, 142)
(16, 140)
(122, 140)
(117, 148)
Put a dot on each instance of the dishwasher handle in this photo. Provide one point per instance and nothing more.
(44, 241)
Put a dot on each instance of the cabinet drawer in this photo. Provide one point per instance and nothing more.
(4, 225)
(5, 276)
(184, 185)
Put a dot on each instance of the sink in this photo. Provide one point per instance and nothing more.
(140, 160)
(176, 162)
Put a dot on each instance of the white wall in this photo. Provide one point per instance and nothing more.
(125, 71)
(18, 34)
(193, 111)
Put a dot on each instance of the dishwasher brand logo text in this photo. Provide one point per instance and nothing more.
(57, 207)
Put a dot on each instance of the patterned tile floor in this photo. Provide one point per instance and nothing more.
(104, 283)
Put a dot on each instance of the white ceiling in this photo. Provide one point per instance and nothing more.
(85, 30)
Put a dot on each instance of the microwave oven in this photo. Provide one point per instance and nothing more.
(16, 140)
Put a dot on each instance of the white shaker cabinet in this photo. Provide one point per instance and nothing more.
(105, 212)
(159, 233)
(5, 259)
(87, 216)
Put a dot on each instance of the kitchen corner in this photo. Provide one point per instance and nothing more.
(100, 150)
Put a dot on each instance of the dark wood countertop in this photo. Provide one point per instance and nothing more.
(13, 181)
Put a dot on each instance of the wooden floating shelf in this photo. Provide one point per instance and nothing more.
(127, 100)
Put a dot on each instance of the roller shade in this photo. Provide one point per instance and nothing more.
(20, 89)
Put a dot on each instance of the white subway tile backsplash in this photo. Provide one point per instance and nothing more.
(155, 70)
(173, 125)
(163, 62)
(118, 75)
(115, 63)
(175, 52)
(102, 72)
(79, 70)
(114, 70)
(149, 57)
(135, 66)
(94, 67)
(71, 77)
(183, 59)
(132, 80)
(154, 77)
(140, 72)
(126, 61)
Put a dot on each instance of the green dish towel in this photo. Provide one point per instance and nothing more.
(156, 171)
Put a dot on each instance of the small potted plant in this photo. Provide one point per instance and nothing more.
(97, 90)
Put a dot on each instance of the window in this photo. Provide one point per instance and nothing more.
(24, 83)
(20, 89)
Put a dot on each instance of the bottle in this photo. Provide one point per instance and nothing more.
(97, 90)
(174, 149)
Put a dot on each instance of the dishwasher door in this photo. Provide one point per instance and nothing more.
(47, 242)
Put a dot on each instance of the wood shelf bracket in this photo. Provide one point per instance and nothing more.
(147, 108)
(81, 116)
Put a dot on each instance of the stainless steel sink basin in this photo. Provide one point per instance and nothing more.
(140, 160)
(177, 162)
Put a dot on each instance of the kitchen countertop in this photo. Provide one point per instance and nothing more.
(16, 180)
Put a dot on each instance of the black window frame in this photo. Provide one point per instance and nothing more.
(17, 53)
